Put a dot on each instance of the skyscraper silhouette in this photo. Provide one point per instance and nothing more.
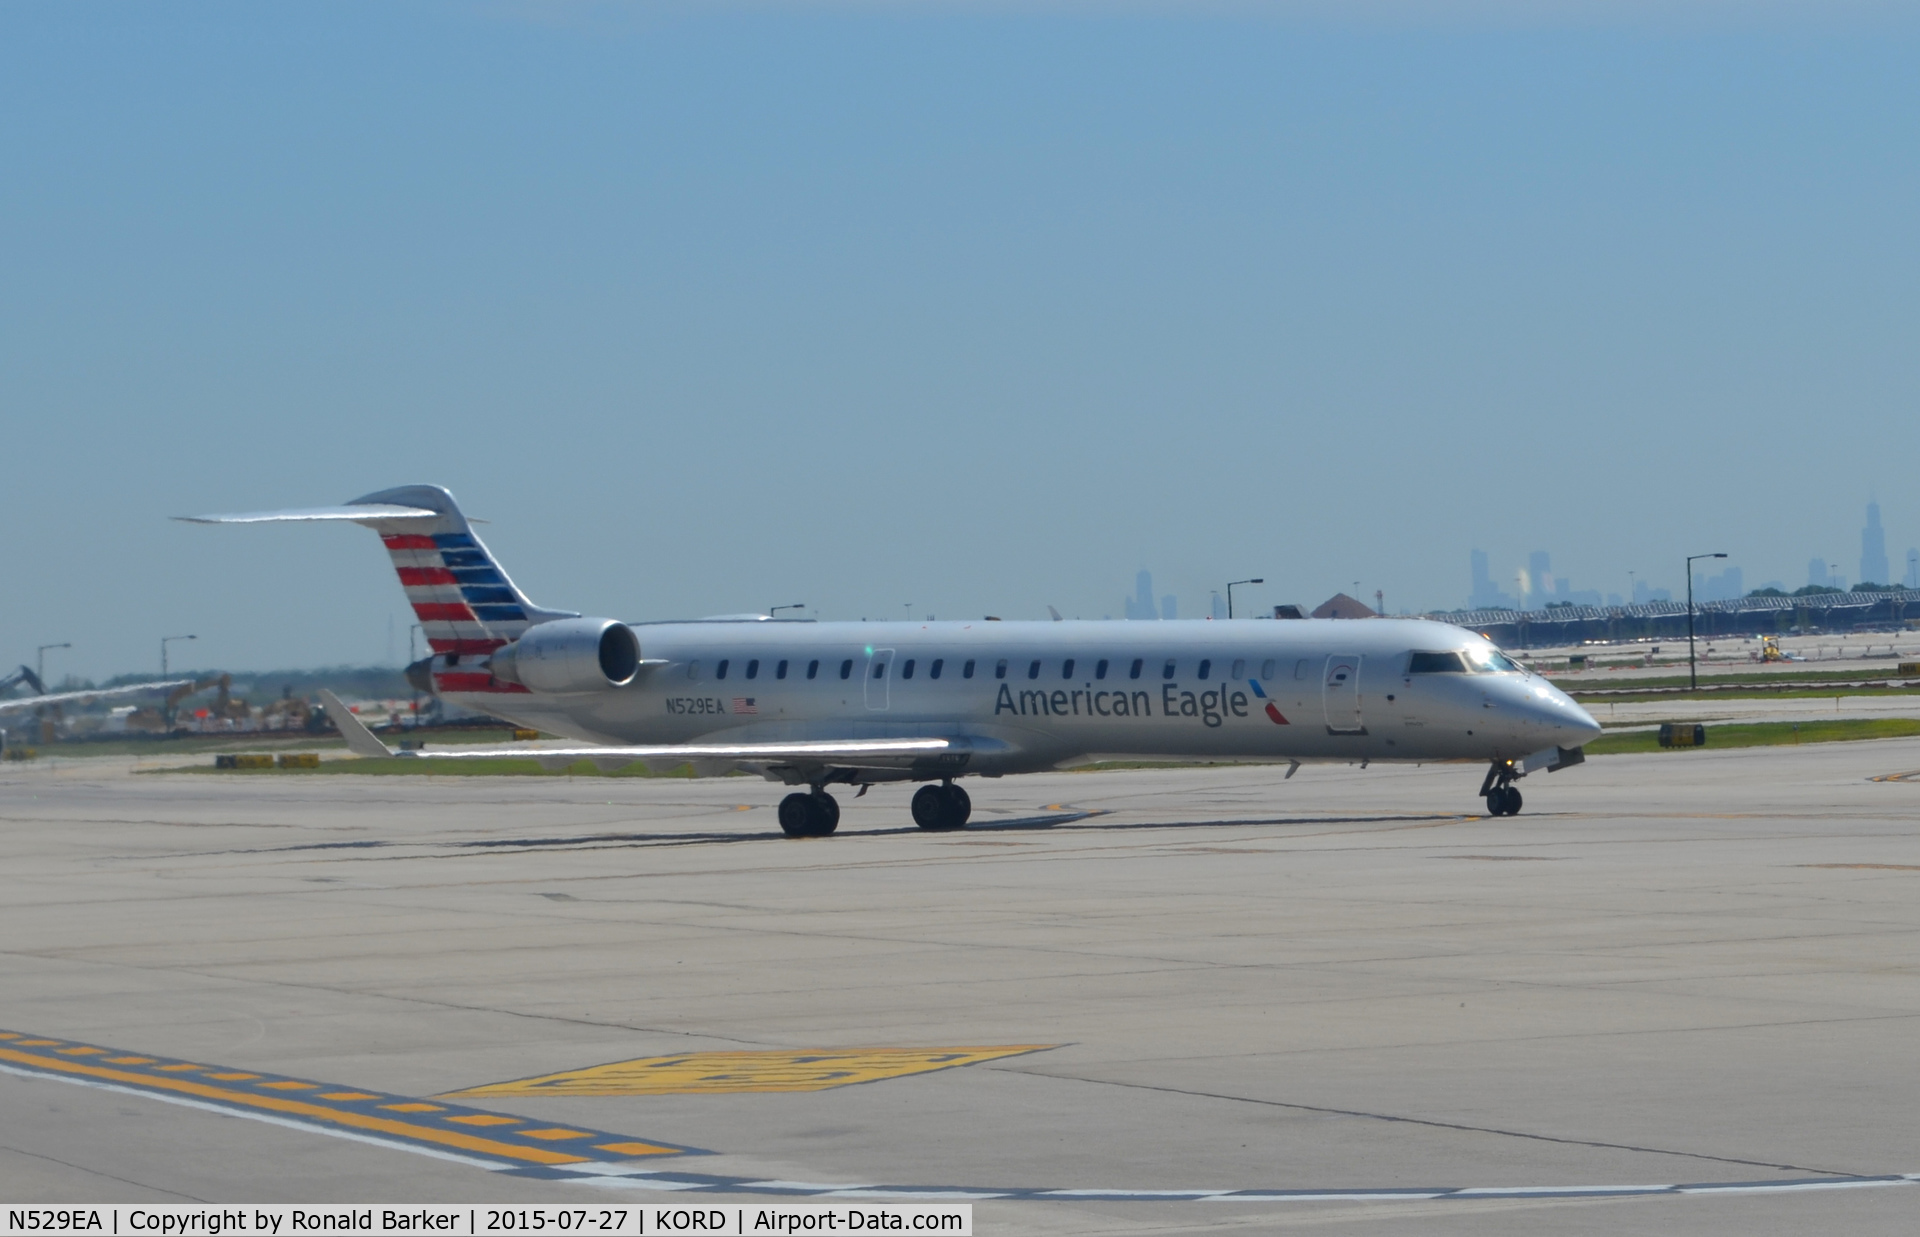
(1873, 549)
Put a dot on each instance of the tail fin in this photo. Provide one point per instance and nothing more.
(464, 601)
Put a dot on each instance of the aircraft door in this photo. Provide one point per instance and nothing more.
(1340, 692)
(879, 670)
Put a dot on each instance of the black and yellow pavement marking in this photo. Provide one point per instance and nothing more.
(728, 1073)
(501, 1139)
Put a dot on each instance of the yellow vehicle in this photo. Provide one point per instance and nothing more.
(1770, 649)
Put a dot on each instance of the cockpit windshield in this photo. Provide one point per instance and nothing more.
(1488, 660)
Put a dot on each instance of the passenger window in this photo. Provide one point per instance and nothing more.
(879, 670)
(1100, 669)
(1436, 663)
(1300, 669)
(1033, 671)
(753, 668)
(1066, 668)
(1166, 671)
(720, 671)
(846, 668)
(966, 671)
(813, 667)
(933, 671)
(1239, 669)
(1267, 668)
(1138, 665)
(780, 671)
(1206, 665)
(1000, 669)
(906, 671)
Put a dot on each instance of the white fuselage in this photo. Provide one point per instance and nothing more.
(1039, 695)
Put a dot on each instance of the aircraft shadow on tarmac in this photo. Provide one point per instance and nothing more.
(595, 841)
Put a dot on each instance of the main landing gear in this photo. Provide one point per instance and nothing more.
(813, 815)
(1503, 797)
(941, 807)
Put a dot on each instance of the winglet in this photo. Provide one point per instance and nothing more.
(360, 740)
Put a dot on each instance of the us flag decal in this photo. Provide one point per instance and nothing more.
(744, 704)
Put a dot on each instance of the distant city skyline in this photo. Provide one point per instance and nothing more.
(1536, 584)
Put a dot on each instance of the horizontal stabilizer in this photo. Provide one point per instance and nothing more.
(353, 511)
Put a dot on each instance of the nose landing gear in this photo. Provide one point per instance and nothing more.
(941, 807)
(1502, 796)
(812, 815)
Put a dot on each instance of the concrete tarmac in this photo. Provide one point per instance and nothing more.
(1678, 968)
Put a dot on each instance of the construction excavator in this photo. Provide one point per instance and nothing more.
(25, 675)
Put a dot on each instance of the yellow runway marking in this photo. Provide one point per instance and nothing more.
(626, 1148)
(727, 1073)
(448, 1127)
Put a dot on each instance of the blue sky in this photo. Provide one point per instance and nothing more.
(975, 308)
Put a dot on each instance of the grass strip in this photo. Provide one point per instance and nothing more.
(1596, 699)
(1763, 734)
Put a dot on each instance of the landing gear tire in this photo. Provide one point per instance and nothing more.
(1513, 801)
(1503, 801)
(941, 808)
(959, 806)
(809, 815)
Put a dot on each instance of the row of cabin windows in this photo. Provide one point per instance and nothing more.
(780, 669)
(1268, 668)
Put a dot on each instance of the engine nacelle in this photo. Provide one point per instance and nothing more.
(570, 655)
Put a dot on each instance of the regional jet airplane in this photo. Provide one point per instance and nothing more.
(818, 704)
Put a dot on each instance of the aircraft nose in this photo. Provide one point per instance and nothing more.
(1570, 724)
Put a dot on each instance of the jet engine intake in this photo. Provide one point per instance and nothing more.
(570, 655)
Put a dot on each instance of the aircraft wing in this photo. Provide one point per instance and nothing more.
(858, 753)
(101, 693)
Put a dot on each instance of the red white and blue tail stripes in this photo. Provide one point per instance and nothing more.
(466, 605)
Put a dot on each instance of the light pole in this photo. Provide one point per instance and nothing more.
(1693, 674)
(40, 662)
(798, 605)
(1255, 580)
(164, 641)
